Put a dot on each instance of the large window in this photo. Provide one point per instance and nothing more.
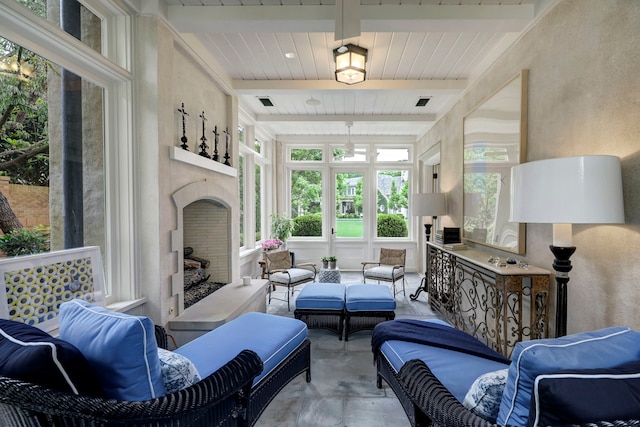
(370, 199)
(59, 173)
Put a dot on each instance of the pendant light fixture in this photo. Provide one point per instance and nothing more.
(350, 61)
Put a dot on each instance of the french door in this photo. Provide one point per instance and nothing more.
(348, 210)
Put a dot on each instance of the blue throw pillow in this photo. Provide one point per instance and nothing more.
(32, 355)
(604, 348)
(587, 395)
(121, 349)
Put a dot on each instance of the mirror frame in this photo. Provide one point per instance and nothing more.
(473, 201)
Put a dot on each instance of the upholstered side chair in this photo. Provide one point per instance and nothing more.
(281, 272)
(388, 268)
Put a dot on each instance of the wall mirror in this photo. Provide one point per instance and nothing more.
(495, 135)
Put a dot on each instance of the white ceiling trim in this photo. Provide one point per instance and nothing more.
(440, 87)
(346, 118)
(375, 18)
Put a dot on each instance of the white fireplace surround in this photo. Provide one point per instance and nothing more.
(202, 190)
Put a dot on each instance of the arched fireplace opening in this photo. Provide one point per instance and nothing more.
(206, 251)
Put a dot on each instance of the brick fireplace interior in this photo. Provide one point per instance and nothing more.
(206, 230)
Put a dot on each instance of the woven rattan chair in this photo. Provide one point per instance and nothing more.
(281, 272)
(218, 400)
(388, 268)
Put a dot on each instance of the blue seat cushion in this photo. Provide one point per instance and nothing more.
(321, 296)
(272, 337)
(369, 298)
(456, 371)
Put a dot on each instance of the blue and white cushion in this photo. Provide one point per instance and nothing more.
(178, 372)
(485, 394)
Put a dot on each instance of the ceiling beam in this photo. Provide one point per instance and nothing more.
(375, 18)
(345, 117)
(433, 87)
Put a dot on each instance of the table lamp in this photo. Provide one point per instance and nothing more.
(433, 205)
(565, 191)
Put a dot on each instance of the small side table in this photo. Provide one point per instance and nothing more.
(329, 275)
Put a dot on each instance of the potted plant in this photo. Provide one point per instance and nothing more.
(325, 262)
(281, 227)
(332, 262)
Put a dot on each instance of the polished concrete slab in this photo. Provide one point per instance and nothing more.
(342, 391)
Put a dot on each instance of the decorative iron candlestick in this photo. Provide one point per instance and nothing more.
(203, 144)
(226, 154)
(215, 147)
(184, 139)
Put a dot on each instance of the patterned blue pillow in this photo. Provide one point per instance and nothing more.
(485, 394)
(178, 372)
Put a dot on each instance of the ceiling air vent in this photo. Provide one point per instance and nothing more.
(422, 102)
(266, 101)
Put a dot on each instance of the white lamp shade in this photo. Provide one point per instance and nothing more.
(570, 190)
(429, 204)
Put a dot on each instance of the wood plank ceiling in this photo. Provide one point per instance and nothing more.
(283, 50)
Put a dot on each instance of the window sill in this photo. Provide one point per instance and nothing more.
(124, 306)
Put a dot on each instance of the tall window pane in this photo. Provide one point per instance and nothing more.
(392, 201)
(258, 196)
(51, 151)
(349, 211)
(306, 202)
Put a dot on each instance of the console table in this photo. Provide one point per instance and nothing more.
(498, 305)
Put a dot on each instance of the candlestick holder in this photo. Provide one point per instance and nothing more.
(184, 138)
(216, 157)
(203, 139)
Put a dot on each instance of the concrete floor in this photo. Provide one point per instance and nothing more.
(342, 391)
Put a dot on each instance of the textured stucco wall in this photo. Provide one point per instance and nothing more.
(166, 76)
(584, 98)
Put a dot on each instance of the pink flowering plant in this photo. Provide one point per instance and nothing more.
(271, 244)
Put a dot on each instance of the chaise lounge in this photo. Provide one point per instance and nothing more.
(589, 379)
(112, 369)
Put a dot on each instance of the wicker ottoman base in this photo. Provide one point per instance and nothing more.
(321, 305)
(364, 320)
(332, 320)
(366, 306)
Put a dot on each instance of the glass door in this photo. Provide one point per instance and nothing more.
(348, 217)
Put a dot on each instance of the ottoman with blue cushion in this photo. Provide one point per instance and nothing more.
(366, 306)
(321, 305)
(280, 342)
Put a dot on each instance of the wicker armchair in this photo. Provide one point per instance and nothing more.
(428, 403)
(218, 400)
(388, 268)
(282, 272)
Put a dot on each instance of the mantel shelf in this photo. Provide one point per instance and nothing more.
(190, 158)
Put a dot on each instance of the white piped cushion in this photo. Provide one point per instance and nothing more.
(120, 348)
(384, 272)
(296, 274)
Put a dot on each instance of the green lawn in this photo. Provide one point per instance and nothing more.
(349, 227)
